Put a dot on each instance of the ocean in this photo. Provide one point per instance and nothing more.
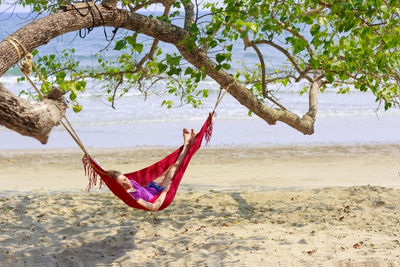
(351, 119)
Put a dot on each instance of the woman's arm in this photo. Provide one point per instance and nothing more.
(168, 175)
(159, 201)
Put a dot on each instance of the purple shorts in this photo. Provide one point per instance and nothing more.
(146, 193)
(154, 187)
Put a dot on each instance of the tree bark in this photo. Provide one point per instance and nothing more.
(246, 98)
(34, 119)
(43, 30)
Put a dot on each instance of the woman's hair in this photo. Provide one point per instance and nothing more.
(114, 174)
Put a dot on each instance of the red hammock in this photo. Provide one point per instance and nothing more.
(148, 174)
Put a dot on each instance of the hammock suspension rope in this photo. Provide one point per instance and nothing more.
(26, 68)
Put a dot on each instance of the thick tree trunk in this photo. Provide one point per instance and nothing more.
(34, 119)
(43, 30)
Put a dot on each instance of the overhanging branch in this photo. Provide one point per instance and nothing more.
(60, 23)
(34, 119)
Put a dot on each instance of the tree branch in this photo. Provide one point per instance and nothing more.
(60, 23)
(198, 59)
(286, 53)
(189, 15)
(120, 81)
(248, 43)
(153, 48)
(264, 77)
(34, 119)
(263, 71)
(313, 98)
(140, 6)
(297, 34)
(110, 3)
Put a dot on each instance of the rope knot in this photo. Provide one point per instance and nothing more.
(27, 63)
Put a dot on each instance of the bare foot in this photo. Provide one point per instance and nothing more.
(193, 136)
(186, 137)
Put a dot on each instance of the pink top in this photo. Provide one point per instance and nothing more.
(145, 193)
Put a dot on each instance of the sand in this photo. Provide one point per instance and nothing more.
(279, 206)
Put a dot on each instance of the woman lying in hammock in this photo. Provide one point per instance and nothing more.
(162, 183)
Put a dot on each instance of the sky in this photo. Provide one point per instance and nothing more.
(9, 7)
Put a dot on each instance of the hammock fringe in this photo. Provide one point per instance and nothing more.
(91, 173)
(209, 129)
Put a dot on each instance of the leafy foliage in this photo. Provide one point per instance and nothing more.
(346, 44)
(350, 43)
(43, 6)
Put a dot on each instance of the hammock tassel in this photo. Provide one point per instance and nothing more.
(91, 173)
(209, 129)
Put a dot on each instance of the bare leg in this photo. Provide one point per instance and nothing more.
(167, 176)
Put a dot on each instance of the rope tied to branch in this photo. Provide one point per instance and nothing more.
(27, 64)
(10, 40)
(229, 85)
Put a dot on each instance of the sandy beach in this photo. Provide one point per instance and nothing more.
(277, 206)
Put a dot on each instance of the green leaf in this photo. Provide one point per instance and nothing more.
(161, 67)
(119, 45)
(226, 66)
(61, 75)
(167, 103)
(72, 96)
(252, 26)
(220, 57)
(138, 48)
(77, 108)
(244, 33)
(315, 29)
(285, 81)
(330, 77)
(314, 63)
(213, 43)
(131, 40)
(239, 24)
(299, 45)
(323, 21)
(188, 70)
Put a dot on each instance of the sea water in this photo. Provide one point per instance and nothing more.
(349, 119)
